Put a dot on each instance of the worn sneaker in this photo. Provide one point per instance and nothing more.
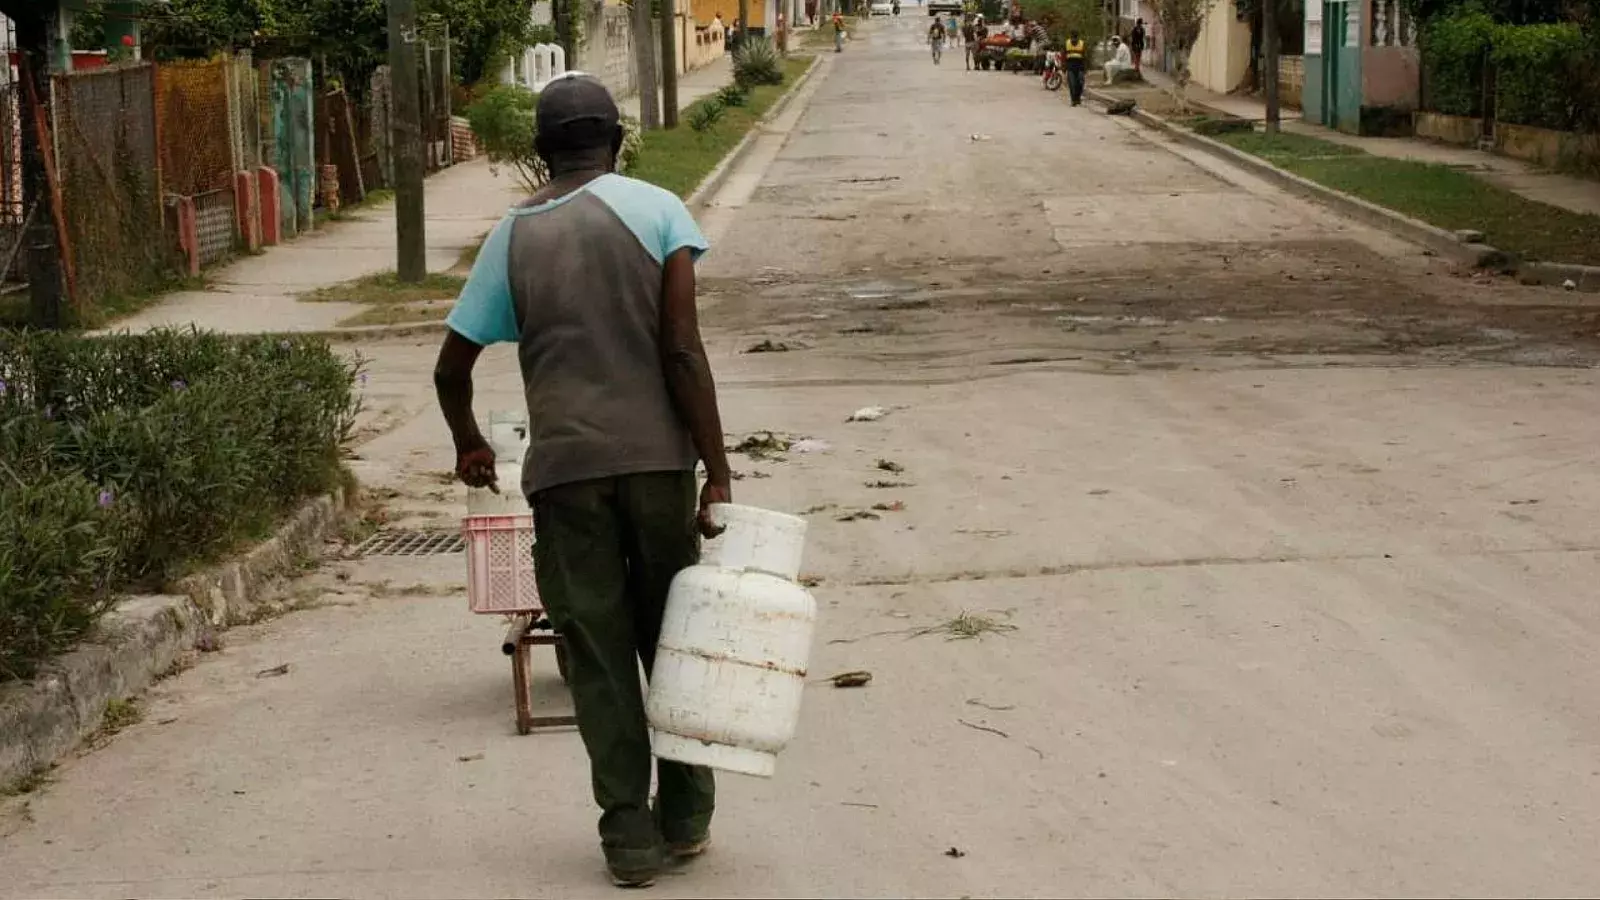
(632, 879)
(684, 850)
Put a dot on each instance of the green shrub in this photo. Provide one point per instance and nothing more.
(734, 94)
(757, 62)
(61, 545)
(149, 453)
(706, 112)
(503, 122)
(1536, 68)
(1454, 50)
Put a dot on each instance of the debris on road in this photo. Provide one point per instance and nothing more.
(977, 727)
(274, 672)
(896, 506)
(819, 508)
(881, 484)
(1569, 285)
(763, 445)
(890, 466)
(859, 515)
(868, 414)
(967, 626)
(771, 346)
(955, 853)
(208, 642)
(855, 803)
(810, 445)
(810, 581)
(1099, 492)
(1121, 108)
(973, 701)
(979, 138)
(985, 532)
(851, 679)
(472, 758)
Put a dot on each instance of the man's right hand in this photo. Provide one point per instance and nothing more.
(475, 467)
(711, 495)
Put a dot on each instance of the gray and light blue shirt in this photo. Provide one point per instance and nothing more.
(576, 283)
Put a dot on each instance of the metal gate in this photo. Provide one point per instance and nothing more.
(293, 128)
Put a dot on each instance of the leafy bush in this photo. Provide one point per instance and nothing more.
(1454, 49)
(1535, 69)
(125, 460)
(706, 112)
(503, 121)
(733, 94)
(756, 62)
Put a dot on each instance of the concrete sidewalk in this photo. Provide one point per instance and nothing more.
(1578, 195)
(259, 293)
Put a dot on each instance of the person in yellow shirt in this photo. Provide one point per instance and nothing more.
(1075, 56)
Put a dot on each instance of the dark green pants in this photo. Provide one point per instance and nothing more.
(606, 552)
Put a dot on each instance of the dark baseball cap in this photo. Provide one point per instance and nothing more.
(578, 106)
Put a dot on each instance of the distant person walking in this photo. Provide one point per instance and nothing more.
(1077, 64)
(969, 38)
(936, 38)
(1136, 43)
(838, 33)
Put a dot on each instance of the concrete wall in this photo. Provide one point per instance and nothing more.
(1221, 57)
(1390, 77)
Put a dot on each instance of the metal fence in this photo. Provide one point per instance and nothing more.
(105, 135)
(13, 215)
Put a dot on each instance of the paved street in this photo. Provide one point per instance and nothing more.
(1291, 528)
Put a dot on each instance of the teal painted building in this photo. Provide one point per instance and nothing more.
(1361, 66)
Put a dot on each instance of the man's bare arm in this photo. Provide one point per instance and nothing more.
(452, 381)
(688, 373)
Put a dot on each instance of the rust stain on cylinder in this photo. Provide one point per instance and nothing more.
(727, 658)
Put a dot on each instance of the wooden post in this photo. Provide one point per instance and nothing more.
(669, 64)
(411, 242)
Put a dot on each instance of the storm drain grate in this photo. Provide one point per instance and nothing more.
(412, 542)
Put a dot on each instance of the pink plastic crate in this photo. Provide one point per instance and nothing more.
(500, 564)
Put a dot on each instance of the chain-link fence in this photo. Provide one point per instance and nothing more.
(105, 133)
(197, 142)
(13, 214)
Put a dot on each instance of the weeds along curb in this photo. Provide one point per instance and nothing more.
(147, 637)
(1443, 242)
(714, 179)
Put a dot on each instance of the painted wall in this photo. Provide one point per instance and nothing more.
(1311, 93)
(1221, 56)
(1390, 77)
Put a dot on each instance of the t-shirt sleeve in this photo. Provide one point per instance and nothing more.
(484, 313)
(679, 230)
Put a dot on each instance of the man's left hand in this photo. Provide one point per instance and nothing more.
(475, 467)
(711, 495)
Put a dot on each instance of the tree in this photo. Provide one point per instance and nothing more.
(1181, 21)
(1059, 17)
(644, 56)
(483, 33)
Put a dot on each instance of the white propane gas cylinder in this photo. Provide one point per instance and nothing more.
(730, 667)
(508, 437)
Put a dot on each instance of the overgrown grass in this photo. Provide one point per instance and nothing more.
(1436, 194)
(375, 198)
(386, 287)
(15, 307)
(680, 159)
(399, 314)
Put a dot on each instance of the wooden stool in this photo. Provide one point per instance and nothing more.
(533, 630)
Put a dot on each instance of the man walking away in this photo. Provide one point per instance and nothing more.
(969, 39)
(1073, 56)
(1136, 42)
(936, 39)
(593, 279)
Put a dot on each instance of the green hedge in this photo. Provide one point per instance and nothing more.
(1536, 70)
(1455, 48)
(124, 461)
(1540, 70)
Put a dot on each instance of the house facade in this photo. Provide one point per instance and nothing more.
(1220, 58)
(1362, 67)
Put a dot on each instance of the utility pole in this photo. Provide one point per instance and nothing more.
(644, 58)
(669, 63)
(1269, 48)
(744, 20)
(45, 282)
(410, 229)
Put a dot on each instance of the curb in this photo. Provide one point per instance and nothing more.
(373, 332)
(714, 179)
(146, 637)
(1445, 243)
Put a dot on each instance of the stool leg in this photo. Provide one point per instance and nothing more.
(519, 681)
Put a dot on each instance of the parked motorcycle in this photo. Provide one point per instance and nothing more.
(1053, 76)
